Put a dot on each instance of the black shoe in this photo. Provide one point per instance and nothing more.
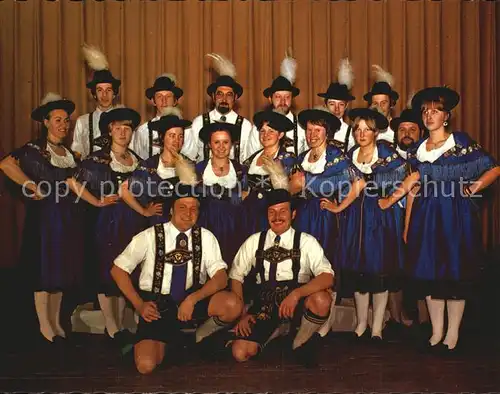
(363, 338)
(123, 340)
(394, 331)
(376, 340)
(307, 354)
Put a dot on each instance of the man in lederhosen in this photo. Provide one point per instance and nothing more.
(280, 95)
(163, 94)
(224, 93)
(282, 262)
(182, 275)
(104, 88)
(337, 98)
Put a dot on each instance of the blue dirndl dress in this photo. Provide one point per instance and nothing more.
(371, 246)
(333, 182)
(220, 207)
(254, 217)
(444, 236)
(148, 186)
(52, 246)
(115, 225)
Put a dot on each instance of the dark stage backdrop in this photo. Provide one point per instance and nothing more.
(421, 42)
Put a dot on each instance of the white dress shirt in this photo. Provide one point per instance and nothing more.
(80, 142)
(301, 137)
(387, 135)
(193, 145)
(142, 250)
(340, 135)
(312, 258)
(140, 141)
(401, 152)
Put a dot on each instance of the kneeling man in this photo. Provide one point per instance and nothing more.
(283, 262)
(182, 275)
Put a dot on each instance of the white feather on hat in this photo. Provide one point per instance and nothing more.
(382, 75)
(165, 111)
(288, 67)
(172, 77)
(95, 58)
(345, 74)
(222, 65)
(410, 98)
(50, 97)
(185, 171)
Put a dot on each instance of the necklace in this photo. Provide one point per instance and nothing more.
(56, 144)
(316, 155)
(435, 144)
(123, 155)
(166, 163)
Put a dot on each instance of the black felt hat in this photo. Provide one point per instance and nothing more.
(407, 115)
(337, 91)
(50, 103)
(275, 120)
(381, 121)
(381, 87)
(167, 83)
(208, 130)
(225, 80)
(277, 196)
(279, 84)
(104, 76)
(449, 97)
(319, 115)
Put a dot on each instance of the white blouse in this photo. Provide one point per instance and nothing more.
(423, 155)
(365, 168)
(66, 161)
(317, 167)
(259, 170)
(116, 166)
(228, 181)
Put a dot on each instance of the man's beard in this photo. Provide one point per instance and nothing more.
(282, 109)
(406, 143)
(223, 108)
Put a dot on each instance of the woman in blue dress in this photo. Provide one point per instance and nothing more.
(444, 231)
(272, 127)
(52, 246)
(326, 172)
(99, 177)
(150, 188)
(221, 186)
(371, 241)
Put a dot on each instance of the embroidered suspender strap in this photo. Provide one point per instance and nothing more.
(237, 143)
(150, 144)
(259, 257)
(296, 255)
(206, 147)
(91, 132)
(196, 245)
(295, 136)
(346, 142)
(159, 258)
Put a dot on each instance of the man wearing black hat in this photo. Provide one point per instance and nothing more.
(384, 98)
(104, 87)
(282, 261)
(163, 94)
(337, 98)
(409, 130)
(182, 275)
(224, 93)
(280, 95)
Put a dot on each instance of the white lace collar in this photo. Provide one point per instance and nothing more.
(116, 166)
(228, 181)
(66, 161)
(365, 168)
(424, 155)
(317, 167)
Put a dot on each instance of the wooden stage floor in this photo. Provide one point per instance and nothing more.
(90, 365)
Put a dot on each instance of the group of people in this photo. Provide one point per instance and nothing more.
(259, 227)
